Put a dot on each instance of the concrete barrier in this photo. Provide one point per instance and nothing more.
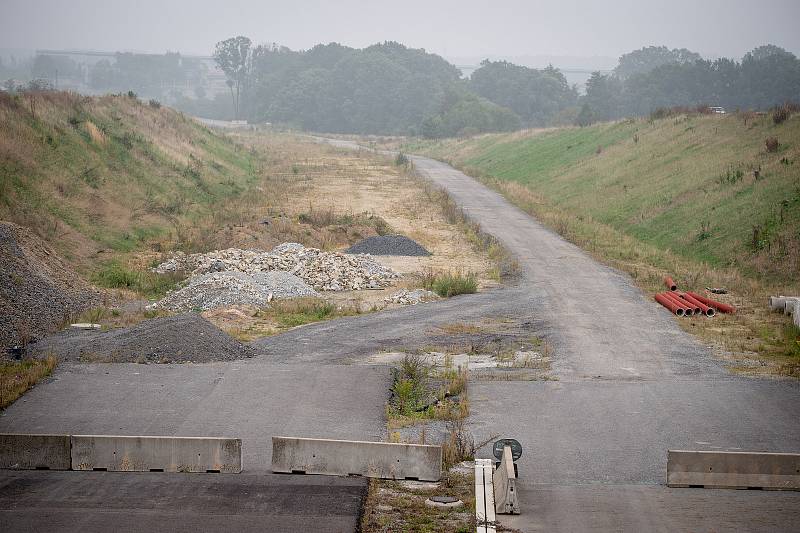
(31, 452)
(504, 480)
(735, 470)
(348, 457)
(156, 454)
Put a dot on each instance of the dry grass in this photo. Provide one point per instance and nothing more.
(396, 507)
(18, 377)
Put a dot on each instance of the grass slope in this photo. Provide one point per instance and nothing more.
(674, 196)
(107, 174)
(684, 184)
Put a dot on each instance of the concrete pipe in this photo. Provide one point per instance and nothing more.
(688, 310)
(706, 310)
(777, 303)
(789, 305)
(719, 306)
(669, 304)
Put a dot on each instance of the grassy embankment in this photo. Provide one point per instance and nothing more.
(98, 178)
(677, 196)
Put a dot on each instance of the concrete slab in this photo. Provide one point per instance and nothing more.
(42, 452)
(734, 470)
(88, 502)
(384, 460)
(160, 454)
(601, 507)
(251, 400)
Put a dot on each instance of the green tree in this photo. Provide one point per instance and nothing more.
(234, 58)
(646, 59)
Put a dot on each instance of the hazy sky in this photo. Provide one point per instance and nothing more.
(463, 28)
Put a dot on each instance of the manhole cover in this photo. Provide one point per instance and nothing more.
(447, 502)
(443, 501)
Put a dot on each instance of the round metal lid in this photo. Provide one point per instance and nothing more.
(516, 448)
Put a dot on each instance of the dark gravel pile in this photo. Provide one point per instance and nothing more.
(388, 245)
(38, 290)
(177, 339)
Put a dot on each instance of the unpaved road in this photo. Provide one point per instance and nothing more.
(630, 385)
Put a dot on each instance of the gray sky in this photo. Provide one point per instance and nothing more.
(460, 29)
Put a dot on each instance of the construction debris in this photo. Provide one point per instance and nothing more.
(324, 271)
(227, 288)
(407, 297)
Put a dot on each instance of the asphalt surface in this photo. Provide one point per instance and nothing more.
(631, 384)
(146, 502)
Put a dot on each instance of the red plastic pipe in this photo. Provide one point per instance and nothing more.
(688, 310)
(708, 311)
(696, 309)
(669, 304)
(719, 306)
(670, 284)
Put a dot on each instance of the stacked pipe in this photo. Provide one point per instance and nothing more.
(689, 303)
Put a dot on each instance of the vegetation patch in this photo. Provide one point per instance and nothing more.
(18, 377)
(400, 506)
(115, 275)
(447, 284)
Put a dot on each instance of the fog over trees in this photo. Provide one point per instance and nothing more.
(391, 89)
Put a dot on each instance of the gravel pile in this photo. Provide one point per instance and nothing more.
(388, 245)
(406, 297)
(223, 289)
(324, 271)
(38, 290)
(181, 338)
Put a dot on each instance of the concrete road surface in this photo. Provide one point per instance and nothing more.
(630, 385)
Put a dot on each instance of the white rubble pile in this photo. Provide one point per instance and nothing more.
(324, 271)
(406, 297)
(222, 289)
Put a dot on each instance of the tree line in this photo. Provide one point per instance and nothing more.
(656, 78)
(389, 88)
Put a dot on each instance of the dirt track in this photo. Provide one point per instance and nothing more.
(631, 384)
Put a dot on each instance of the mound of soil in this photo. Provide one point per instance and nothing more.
(38, 290)
(388, 245)
(177, 339)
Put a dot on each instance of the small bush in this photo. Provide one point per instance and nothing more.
(114, 275)
(155, 104)
(731, 176)
(401, 160)
(410, 384)
(772, 144)
(451, 283)
(781, 114)
(459, 445)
